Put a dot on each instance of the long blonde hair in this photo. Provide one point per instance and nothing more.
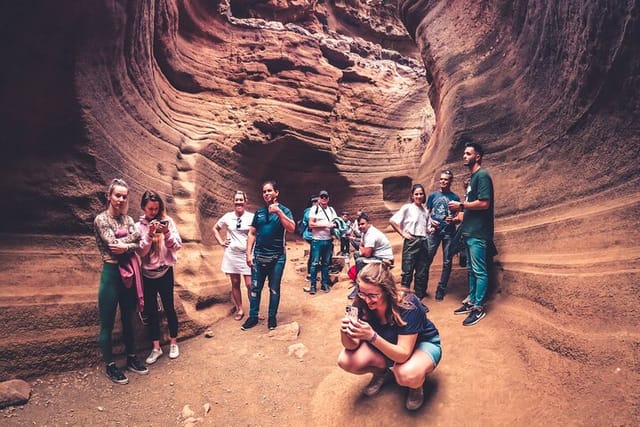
(379, 274)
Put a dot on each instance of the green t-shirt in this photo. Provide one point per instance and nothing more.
(479, 224)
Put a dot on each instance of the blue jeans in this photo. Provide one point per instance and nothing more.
(259, 273)
(433, 241)
(321, 252)
(477, 267)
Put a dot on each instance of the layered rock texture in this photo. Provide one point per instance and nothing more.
(199, 98)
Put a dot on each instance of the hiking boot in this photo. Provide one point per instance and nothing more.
(376, 383)
(272, 323)
(154, 356)
(174, 351)
(474, 317)
(116, 375)
(249, 323)
(415, 398)
(134, 365)
(464, 309)
(439, 294)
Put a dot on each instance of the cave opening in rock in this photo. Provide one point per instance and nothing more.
(300, 171)
(395, 191)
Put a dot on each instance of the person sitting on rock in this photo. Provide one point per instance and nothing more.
(374, 247)
(391, 336)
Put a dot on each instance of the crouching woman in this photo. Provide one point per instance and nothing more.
(392, 336)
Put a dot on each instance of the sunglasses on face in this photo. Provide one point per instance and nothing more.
(238, 223)
(324, 197)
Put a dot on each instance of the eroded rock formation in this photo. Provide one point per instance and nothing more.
(197, 98)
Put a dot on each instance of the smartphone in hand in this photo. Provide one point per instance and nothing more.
(351, 312)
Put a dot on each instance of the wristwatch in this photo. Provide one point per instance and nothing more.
(461, 206)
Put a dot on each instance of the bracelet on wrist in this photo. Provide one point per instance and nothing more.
(373, 337)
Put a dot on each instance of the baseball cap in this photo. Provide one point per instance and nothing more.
(323, 193)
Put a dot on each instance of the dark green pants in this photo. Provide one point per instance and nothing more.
(415, 261)
(112, 293)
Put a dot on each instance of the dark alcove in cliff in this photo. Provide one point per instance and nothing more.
(300, 171)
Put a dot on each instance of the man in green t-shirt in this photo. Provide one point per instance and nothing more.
(477, 231)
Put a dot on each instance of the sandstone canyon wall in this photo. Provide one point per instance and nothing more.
(198, 98)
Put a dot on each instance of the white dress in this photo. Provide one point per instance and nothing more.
(234, 260)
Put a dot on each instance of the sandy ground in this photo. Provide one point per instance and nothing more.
(488, 375)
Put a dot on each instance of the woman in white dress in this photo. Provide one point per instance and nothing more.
(234, 262)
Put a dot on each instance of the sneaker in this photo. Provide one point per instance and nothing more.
(116, 375)
(464, 309)
(353, 293)
(439, 294)
(154, 356)
(415, 398)
(310, 289)
(134, 365)
(249, 323)
(325, 288)
(272, 322)
(174, 351)
(474, 317)
(376, 383)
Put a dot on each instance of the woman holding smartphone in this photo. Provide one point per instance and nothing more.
(159, 244)
(234, 264)
(391, 337)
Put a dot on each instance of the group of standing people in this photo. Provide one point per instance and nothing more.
(385, 331)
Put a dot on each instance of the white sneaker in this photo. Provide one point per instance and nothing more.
(153, 356)
(174, 351)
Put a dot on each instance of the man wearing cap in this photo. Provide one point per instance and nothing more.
(321, 224)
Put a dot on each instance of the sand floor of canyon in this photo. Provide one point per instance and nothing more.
(488, 375)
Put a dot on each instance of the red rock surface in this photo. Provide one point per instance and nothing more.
(197, 99)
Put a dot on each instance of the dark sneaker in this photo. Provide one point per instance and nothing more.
(376, 383)
(439, 294)
(272, 322)
(310, 289)
(464, 309)
(116, 375)
(474, 317)
(325, 288)
(134, 365)
(249, 323)
(415, 398)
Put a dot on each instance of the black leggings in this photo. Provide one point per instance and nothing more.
(164, 287)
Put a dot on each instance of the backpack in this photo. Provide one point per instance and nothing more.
(303, 224)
